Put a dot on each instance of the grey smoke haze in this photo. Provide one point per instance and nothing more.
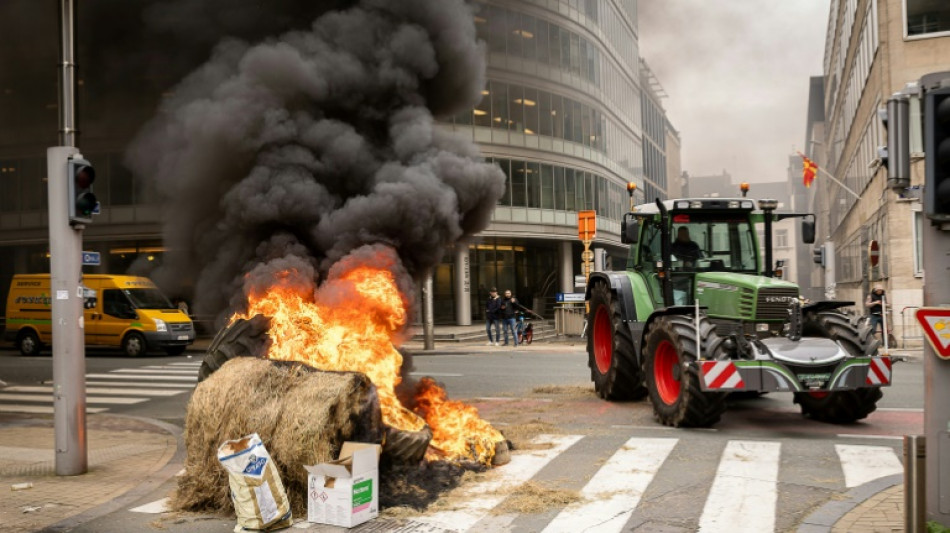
(737, 74)
(299, 150)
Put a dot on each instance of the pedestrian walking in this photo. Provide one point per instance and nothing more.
(875, 303)
(492, 317)
(509, 309)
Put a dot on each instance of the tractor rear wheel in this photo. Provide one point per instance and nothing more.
(610, 355)
(841, 407)
(674, 386)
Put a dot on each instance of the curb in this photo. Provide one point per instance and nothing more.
(825, 517)
(148, 485)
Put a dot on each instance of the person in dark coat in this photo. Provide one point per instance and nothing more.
(509, 308)
(492, 317)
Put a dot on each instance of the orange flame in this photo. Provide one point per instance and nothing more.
(349, 325)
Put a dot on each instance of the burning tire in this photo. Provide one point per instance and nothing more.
(406, 447)
(675, 391)
(841, 407)
(610, 354)
(243, 338)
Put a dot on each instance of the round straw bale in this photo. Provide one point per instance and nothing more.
(302, 415)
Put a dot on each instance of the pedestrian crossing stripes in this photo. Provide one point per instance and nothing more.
(107, 390)
(736, 485)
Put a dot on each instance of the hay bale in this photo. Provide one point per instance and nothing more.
(303, 416)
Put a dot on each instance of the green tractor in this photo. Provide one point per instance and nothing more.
(698, 315)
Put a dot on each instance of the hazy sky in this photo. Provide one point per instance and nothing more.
(736, 72)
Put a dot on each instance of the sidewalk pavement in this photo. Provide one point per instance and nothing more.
(128, 457)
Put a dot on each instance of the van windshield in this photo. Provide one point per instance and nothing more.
(148, 299)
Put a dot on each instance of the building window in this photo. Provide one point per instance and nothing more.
(781, 238)
(926, 18)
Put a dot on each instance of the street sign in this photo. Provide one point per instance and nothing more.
(568, 297)
(935, 322)
(586, 225)
(580, 281)
(874, 253)
(90, 258)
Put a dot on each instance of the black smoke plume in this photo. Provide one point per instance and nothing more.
(300, 149)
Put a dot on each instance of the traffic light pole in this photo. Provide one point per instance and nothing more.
(66, 294)
(936, 262)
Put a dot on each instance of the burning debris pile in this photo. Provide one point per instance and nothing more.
(306, 181)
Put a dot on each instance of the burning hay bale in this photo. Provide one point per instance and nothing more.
(303, 416)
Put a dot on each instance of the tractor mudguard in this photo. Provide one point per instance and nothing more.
(620, 283)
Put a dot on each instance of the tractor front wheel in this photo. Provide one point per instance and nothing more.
(610, 355)
(673, 384)
(841, 407)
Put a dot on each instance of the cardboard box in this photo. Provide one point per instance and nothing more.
(345, 492)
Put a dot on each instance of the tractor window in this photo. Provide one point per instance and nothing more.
(650, 251)
(725, 243)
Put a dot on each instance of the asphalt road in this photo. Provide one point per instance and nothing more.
(549, 385)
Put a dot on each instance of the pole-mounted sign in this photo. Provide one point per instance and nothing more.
(935, 323)
(874, 253)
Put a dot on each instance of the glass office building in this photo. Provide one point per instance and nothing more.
(561, 114)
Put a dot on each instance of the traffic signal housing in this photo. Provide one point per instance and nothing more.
(82, 202)
(818, 255)
(937, 154)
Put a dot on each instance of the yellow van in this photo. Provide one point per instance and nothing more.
(127, 312)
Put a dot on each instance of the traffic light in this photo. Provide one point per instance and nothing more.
(937, 154)
(82, 202)
(898, 143)
(818, 254)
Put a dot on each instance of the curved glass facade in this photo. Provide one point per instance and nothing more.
(561, 114)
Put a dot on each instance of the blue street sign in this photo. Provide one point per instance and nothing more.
(570, 297)
(95, 210)
(90, 258)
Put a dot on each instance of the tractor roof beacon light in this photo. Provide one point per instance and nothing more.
(744, 187)
(631, 187)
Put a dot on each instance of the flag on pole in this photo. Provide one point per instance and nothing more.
(808, 170)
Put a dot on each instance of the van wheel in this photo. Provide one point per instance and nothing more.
(29, 343)
(134, 344)
(175, 350)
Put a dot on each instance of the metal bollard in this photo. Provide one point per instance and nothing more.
(914, 488)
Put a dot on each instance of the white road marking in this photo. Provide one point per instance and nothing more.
(485, 495)
(183, 386)
(98, 390)
(146, 370)
(744, 494)
(867, 463)
(615, 490)
(143, 376)
(156, 507)
(42, 409)
(89, 399)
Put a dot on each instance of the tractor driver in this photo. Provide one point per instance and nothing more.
(684, 248)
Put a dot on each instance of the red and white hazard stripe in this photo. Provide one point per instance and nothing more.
(879, 371)
(721, 375)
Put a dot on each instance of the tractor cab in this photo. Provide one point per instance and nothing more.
(701, 235)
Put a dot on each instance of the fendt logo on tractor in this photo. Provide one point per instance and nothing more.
(700, 314)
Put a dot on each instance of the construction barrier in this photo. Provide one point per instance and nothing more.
(569, 318)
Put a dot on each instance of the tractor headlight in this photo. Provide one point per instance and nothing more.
(160, 325)
(761, 327)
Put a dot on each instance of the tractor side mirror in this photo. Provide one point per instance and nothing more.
(808, 230)
(630, 229)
